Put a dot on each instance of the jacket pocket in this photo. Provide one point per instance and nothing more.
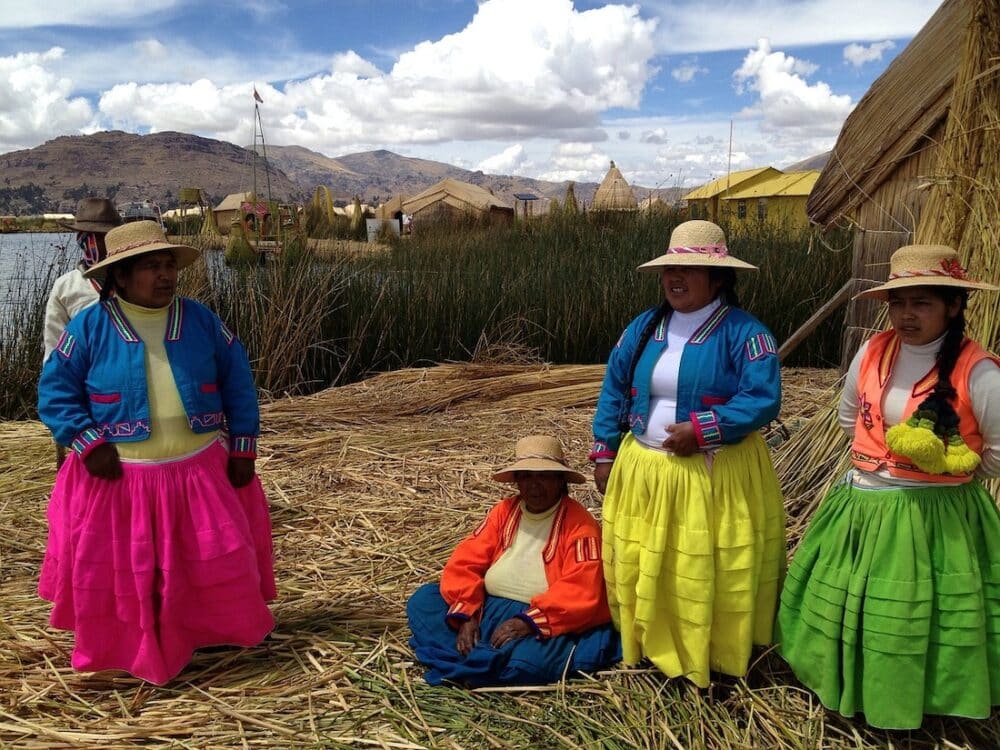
(105, 398)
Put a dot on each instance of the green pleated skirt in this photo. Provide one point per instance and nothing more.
(891, 606)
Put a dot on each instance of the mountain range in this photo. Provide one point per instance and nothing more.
(123, 166)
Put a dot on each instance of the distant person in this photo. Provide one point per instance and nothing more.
(891, 607)
(521, 599)
(93, 219)
(159, 534)
(694, 525)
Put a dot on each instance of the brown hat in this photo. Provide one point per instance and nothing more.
(697, 243)
(538, 453)
(139, 238)
(94, 215)
(924, 265)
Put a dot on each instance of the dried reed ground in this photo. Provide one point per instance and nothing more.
(371, 485)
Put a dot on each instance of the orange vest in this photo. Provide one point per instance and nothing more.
(869, 451)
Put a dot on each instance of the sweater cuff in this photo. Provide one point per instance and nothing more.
(601, 450)
(460, 612)
(243, 446)
(86, 441)
(538, 622)
(706, 428)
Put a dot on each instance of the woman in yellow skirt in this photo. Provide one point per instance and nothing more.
(694, 547)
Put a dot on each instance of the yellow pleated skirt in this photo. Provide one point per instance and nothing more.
(694, 555)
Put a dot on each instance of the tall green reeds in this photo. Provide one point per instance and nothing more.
(559, 288)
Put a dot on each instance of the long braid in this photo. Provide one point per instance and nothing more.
(107, 287)
(942, 397)
(662, 312)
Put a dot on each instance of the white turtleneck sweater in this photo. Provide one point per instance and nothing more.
(912, 364)
(664, 380)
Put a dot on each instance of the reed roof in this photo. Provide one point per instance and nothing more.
(614, 193)
(893, 119)
(390, 207)
(461, 195)
(232, 202)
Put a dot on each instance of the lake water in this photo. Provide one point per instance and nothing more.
(26, 259)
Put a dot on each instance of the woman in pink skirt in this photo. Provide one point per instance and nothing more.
(159, 534)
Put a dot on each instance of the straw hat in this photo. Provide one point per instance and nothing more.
(697, 243)
(139, 238)
(94, 215)
(538, 453)
(924, 265)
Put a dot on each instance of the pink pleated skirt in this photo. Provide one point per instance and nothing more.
(150, 567)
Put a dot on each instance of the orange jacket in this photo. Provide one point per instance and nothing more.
(869, 450)
(575, 600)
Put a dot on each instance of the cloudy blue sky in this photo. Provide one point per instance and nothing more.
(552, 89)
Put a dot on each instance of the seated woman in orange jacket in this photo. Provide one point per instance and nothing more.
(522, 599)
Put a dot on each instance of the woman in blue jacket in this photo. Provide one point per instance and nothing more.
(159, 534)
(693, 517)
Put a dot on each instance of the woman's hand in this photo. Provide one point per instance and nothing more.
(240, 471)
(602, 470)
(102, 462)
(510, 630)
(681, 440)
(468, 634)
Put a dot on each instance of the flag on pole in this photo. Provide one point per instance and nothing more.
(256, 95)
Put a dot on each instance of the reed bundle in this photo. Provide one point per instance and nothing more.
(371, 485)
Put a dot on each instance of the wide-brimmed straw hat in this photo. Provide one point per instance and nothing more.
(924, 265)
(697, 243)
(94, 215)
(538, 453)
(139, 238)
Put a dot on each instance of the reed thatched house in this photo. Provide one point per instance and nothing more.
(653, 204)
(913, 160)
(453, 200)
(229, 209)
(705, 202)
(614, 193)
(780, 200)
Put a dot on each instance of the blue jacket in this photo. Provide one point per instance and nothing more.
(93, 387)
(729, 382)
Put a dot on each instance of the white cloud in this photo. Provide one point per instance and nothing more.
(579, 162)
(686, 72)
(789, 108)
(712, 25)
(512, 160)
(657, 135)
(35, 104)
(99, 13)
(858, 54)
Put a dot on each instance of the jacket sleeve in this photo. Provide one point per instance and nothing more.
(63, 404)
(463, 584)
(239, 394)
(56, 318)
(611, 401)
(577, 600)
(753, 353)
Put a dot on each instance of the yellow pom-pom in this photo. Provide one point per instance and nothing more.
(918, 444)
(960, 458)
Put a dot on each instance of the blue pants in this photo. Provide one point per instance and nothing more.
(524, 661)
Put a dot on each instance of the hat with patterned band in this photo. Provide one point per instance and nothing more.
(697, 243)
(139, 238)
(538, 453)
(924, 265)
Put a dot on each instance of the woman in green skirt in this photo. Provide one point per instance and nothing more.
(891, 607)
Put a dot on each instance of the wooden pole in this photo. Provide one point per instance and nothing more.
(838, 299)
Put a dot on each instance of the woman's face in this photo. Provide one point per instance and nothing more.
(150, 282)
(540, 490)
(919, 315)
(689, 288)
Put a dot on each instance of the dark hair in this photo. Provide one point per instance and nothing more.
(941, 398)
(727, 278)
(109, 285)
